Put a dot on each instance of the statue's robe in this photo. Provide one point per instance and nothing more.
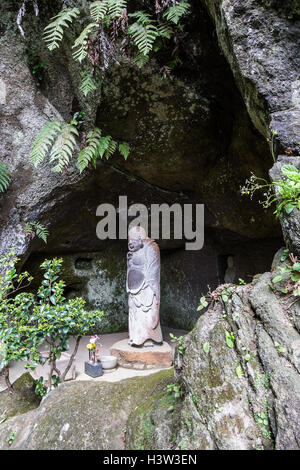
(143, 287)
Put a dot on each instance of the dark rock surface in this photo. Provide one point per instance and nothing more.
(262, 49)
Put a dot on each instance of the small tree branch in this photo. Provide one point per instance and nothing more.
(71, 359)
(5, 373)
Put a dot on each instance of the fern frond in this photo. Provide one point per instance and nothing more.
(64, 147)
(124, 149)
(98, 10)
(80, 45)
(44, 141)
(116, 7)
(5, 177)
(53, 33)
(143, 36)
(103, 145)
(87, 83)
(174, 13)
(90, 153)
(140, 60)
(112, 146)
(164, 30)
(39, 229)
(141, 17)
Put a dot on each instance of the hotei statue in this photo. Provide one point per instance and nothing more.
(143, 287)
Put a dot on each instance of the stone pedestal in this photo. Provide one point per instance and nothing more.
(142, 358)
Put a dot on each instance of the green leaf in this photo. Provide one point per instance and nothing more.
(206, 347)
(229, 339)
(277, 279)
(289, 208)
(124, 149)
(239, 371)
(53, 33)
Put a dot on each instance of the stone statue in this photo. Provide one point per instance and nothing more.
(143, 287)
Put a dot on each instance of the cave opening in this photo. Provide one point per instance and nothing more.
(192, 142)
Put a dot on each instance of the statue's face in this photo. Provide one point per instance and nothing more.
(134, 244)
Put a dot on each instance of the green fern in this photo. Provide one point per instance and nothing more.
(98, 10)
(53, 33)
(111, 148)
(38, 229)
(87, 83)
(64, 147)
(143, 32)
(164, 30)
(124, 149)
(5, 177)
(80, 45)
(103, 145)
(174, 13)
(44, 141)
(116, 7)
(90, 153)
(140, 60)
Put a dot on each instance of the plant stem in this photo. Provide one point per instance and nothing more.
(71, 358)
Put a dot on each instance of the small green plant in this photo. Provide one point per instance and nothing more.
(279, 348)
(176, 393)
(38, 229)
(239, 371)
(262, 419)
(292, 274)
(203, 303)
(230, 338)
(285, 192)
(10, 439)
(181, 346)
(220, 295)
(206, 347)
(174, 390)
(262, 380)
(242, 282)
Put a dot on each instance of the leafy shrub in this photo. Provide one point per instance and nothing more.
(28, 321)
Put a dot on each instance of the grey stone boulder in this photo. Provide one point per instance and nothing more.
(21, 400)
(83, 415)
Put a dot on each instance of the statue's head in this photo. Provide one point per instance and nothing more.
(136, 237)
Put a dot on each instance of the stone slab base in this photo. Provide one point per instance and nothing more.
(146, 357)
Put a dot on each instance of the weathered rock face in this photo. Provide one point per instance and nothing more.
(243, 394)
(21, 400)
(262, 49)
(83, 415)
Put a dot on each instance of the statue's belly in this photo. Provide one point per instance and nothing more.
(135, 279)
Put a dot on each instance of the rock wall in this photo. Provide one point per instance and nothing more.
(243, 394)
